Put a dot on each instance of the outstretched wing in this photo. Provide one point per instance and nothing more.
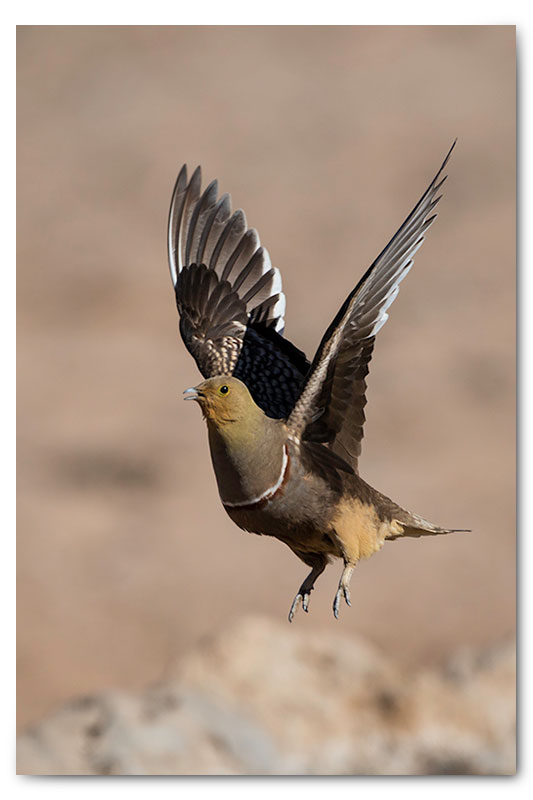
(229, 297)
(330, 409)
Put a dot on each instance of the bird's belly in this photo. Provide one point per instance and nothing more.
(303, 535)
(298, 517)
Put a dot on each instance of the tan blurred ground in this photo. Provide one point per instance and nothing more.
(326, 137)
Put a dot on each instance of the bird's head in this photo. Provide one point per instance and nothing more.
(224, 400)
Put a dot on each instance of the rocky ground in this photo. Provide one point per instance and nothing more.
(263, 698)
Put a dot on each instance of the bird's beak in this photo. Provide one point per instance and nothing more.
(193, 394)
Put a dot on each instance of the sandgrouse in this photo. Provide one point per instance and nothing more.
(285, 434)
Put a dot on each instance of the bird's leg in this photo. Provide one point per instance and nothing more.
(318, 562)
(344, 588)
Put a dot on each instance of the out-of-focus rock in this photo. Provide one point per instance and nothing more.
(262, 698)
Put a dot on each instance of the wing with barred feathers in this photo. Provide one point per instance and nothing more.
(229, 297)
(330, 408)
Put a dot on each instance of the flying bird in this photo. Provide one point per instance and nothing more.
(284, 433)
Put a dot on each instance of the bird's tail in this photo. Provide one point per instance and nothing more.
(413, 525)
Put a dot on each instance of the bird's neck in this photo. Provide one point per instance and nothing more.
(250, 459)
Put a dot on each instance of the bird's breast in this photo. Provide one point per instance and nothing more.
(252, 469)
(268, 494)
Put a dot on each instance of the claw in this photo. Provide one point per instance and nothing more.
(342, 591)
(336, 604)
(344, 588)
(347, 596)
(294, 608)
(300, 598)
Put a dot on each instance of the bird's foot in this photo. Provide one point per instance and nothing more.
(300, 598)
(344, 588)
(342, 591)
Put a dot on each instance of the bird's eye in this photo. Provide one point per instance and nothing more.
(224, 389)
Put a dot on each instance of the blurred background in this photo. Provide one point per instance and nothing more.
(326, 137)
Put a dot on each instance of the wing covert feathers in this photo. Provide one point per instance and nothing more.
(330, 408)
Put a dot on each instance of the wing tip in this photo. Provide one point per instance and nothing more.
(182, 174)
(180, 187)
(197, 174)
(443, 167)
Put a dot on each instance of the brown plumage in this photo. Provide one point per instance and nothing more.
(285, 435)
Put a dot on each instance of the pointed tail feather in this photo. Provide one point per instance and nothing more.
(413, 525)
(408, 531)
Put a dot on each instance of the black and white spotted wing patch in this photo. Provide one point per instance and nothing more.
(229, 297)
(272, 368)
